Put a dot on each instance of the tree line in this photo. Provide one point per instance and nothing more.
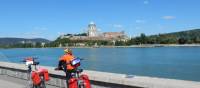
(184, 37)
(142, 39)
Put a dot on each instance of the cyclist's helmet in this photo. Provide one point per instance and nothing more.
(68, 51)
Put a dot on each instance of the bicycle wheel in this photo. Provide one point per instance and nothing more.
(42, 85)
(81, 84)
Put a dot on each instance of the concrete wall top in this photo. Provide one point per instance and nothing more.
(122, 79)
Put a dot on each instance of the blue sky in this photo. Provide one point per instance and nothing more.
(50, 18)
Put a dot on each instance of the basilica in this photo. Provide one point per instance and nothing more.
(94, 34)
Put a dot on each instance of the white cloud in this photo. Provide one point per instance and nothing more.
(40, 28)
(61, 33)
(146, 2)
(117, 26)
(137, 28)
(168, 17)
(140, 21)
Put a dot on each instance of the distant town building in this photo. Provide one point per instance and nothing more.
(94, 34)
(28, 42)
(64, 36)
(43, 44)
(23, 42)
(114, 35)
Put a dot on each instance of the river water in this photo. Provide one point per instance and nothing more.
(166, 62)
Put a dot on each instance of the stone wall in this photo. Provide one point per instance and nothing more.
(102, 79)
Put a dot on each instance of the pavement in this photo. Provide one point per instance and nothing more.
(99, 79)
(7, 84)
(11, 82)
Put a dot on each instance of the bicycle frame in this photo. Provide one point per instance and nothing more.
(29, 75)
(76, 72)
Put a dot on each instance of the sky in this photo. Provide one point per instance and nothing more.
(51, 18)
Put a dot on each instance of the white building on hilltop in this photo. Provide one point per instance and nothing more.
(92, 30)
(94, 34)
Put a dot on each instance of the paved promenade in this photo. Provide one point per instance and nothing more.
(11, 82)
(4, 83)
(100, 79)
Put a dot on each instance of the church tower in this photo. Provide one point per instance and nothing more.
(92, 30)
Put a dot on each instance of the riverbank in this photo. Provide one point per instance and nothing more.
(137, 46)
(100, 79)
(131, 46)
(154, 62)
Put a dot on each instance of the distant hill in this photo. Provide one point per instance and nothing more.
(182, 37)
(185, 34)
(11, 41)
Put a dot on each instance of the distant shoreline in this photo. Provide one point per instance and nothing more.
(141, 46)
(132, 46)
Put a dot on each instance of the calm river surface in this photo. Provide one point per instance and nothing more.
(165, 62)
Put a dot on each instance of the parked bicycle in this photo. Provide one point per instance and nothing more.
(37, 76)
(77, 80)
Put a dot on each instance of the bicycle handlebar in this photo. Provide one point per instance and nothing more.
(36, 63)
(31, 59)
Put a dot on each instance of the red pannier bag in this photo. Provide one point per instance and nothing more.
(73, 83)
(86, 81)
(45, 73)
(35, 78)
